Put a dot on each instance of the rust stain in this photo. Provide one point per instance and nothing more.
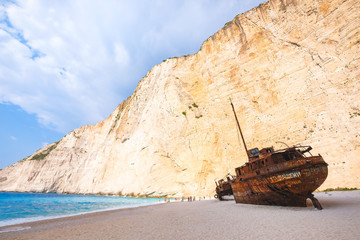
(324, 7)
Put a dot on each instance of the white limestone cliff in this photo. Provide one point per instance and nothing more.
(291, 68)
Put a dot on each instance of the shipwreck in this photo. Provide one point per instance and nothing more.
(285, 177)
(223, 187)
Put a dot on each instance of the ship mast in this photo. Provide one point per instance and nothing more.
(242, 137)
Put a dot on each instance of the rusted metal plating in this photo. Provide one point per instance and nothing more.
(285, 177)
(223, 187)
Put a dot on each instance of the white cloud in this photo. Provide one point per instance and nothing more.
(13, 138)
(72, 62)
(121, 55)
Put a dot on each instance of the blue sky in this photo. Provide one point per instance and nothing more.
(68, 63)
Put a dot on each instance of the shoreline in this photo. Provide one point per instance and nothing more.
(55, 219)
(24, 220)
(209, 219)
(21, 221)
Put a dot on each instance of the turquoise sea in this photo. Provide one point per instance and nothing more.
(27, 207)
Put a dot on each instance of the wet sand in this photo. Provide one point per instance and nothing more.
(211, 219)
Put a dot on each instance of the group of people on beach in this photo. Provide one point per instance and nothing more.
(189, 199)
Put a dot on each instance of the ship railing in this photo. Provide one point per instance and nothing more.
(299, 148)
(228, 177)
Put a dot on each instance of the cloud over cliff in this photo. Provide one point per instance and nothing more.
(72, 62)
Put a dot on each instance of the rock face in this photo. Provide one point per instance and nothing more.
(291, 68)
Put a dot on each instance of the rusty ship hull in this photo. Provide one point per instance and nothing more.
(285, 177)
(223, 187)
(288, 183)
(222, 190)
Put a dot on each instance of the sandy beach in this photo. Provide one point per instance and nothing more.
(211, 219)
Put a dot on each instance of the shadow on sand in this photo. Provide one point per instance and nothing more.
(331, 200)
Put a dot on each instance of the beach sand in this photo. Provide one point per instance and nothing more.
(211, 219)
